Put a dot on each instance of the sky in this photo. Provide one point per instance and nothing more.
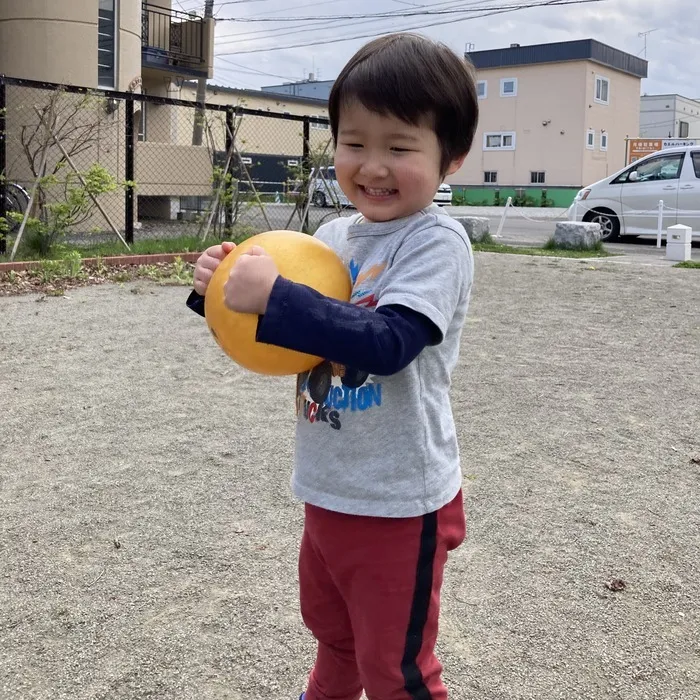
(253, 54)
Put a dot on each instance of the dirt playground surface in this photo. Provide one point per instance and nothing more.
(148, 536)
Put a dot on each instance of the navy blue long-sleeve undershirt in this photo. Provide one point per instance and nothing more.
(380, 342)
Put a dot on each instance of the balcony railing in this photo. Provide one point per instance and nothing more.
(172, 40)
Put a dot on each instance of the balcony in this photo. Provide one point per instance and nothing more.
(176, 42)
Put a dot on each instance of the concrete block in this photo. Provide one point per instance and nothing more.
(577, 234)
(477, 227)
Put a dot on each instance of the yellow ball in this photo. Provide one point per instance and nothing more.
(300, 258)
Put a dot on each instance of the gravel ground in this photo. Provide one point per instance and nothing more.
(149, 537)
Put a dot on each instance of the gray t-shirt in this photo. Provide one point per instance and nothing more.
(387, 446)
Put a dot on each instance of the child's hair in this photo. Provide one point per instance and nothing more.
(413, 78)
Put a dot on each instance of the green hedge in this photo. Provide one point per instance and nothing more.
(560, 197)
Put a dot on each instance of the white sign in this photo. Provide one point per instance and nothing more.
(672, 143)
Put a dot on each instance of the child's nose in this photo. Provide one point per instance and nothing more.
(374, 167)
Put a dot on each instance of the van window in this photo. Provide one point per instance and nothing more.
(331, 174)
(696, 163)
(660, 168)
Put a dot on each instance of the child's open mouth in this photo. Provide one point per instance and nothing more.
(378, 192)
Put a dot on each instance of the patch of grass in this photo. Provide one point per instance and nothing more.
(689, 264)
(181, 244)
(147, 246)
(551, 245)
(542, 252)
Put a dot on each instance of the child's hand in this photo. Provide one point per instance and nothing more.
(208, 262)
(250, 283)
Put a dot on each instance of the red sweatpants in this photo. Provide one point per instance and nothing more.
(370, 594)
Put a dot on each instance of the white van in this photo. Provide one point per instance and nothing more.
(324, 190)
(627, 203)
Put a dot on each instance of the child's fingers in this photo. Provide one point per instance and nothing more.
(208, 262)
(227, 247)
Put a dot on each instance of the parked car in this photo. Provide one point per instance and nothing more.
(324, 190)
(443, 197)
(627, 203)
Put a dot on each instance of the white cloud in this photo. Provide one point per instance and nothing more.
(670, 48)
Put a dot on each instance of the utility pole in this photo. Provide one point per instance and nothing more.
(198, 128)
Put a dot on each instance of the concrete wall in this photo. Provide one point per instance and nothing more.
(57, 41)
(550, 116)
(256, 134)
(91, 133)
(171, 170)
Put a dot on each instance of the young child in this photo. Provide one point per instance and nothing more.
(377, 461)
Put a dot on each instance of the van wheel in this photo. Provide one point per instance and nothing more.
(319, 199)
(609, 223)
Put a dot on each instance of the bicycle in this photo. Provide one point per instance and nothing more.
(16, 202)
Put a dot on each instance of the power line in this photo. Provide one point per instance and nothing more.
(285, 31)
(492, 12)
(369, 16)
(246, 69)
(298, 7)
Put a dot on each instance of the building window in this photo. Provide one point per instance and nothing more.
(603, 142)
(683, 130)
(292, 162)
(602, 90)
(537, 177)
(107, 44)
(499, 141)
(490, 177)
(141, 116)
(590, 139)
(482, 89)
(246, 160)
(509, 87)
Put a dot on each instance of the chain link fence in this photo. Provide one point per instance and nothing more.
(84, 166)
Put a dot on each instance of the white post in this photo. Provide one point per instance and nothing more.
(503, 218)
(660, 223)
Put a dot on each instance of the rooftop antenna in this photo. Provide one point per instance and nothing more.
(644, 35)
(469, 47)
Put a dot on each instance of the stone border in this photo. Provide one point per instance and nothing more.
(115, 261)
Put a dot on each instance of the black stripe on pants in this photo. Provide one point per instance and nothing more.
(414, 684)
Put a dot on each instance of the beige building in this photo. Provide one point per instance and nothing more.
(112, 44)
(141, 47)
(552, 115)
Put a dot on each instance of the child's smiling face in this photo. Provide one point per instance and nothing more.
(387, 168)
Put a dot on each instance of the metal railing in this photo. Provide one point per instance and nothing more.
(172, 38)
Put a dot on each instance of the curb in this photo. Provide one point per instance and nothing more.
(115, 261)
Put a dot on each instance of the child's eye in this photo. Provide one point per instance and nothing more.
(353, 145)
(400, 150)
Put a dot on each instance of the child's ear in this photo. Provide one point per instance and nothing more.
(455, 165)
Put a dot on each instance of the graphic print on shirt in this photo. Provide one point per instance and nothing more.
(330, 389)
(363, 284)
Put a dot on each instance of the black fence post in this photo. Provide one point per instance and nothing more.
(306, 174)
(228, 181)
(3, 161)
(129, 172)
